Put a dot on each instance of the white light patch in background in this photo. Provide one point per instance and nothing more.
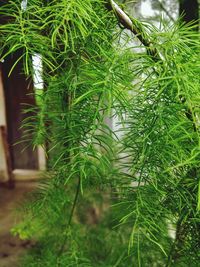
(37, 77)
(24, 5)
(146, 10)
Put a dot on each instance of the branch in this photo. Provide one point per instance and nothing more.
(139, 31)
(135, 28)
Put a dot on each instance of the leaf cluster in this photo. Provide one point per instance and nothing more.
(143, 178)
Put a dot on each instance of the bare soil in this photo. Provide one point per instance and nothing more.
(11, 247)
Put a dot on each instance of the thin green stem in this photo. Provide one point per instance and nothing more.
(71, 215)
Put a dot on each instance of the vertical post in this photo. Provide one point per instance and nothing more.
(7, 156)
(189, 10)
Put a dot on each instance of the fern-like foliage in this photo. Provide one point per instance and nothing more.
(110, 197)
(161, 145)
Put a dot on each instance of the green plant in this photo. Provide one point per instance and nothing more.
(144, 179)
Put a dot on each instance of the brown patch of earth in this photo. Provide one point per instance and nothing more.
(11, 247)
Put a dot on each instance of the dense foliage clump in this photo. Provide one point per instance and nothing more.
(128, 197)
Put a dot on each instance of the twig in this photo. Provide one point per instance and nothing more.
(136, 29)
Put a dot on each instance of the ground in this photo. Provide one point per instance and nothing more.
(12, 248)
